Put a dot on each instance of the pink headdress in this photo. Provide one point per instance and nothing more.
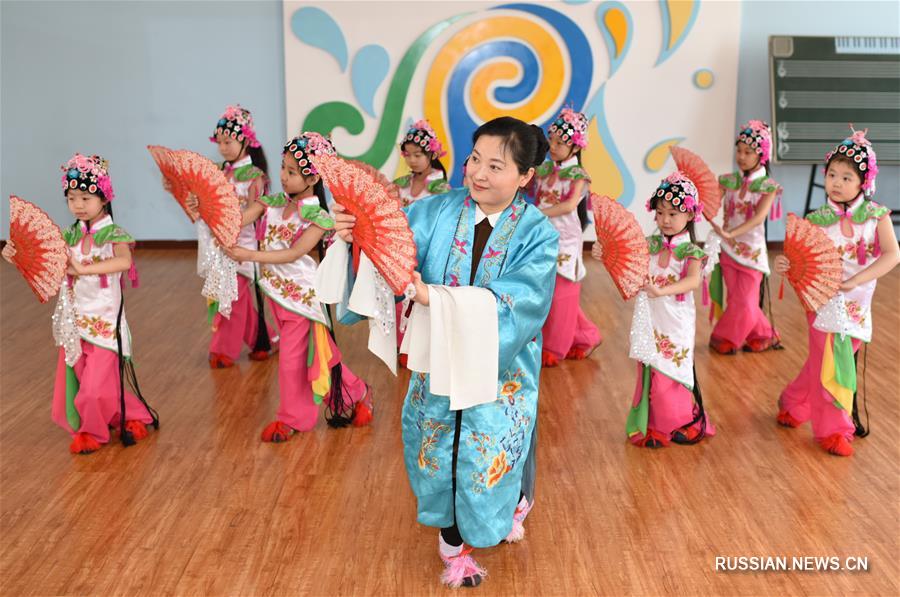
(681, 192)
(88, 173)
(756, 134)
(572, 127)
(305, 145)
(238, 124)
(424, 136)
(858, 150)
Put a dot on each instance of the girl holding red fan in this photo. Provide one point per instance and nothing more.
(244, 166)
(561, 188)
(749, 196)
(309, 364)
(422, 151)
(667, 404)
(825, 390)
(89, 395)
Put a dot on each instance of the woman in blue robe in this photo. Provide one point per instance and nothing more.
(465, 463)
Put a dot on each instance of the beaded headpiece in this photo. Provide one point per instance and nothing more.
(306, 144)
(860, 152)
(681, 192)
(421, 134)
(88, 173)
(572, 127)
(757, 135)
(237, 123)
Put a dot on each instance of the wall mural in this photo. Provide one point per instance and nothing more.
(648, 75)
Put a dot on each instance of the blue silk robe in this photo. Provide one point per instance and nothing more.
(518, 266)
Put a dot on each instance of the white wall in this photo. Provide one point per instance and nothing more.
(112, 77)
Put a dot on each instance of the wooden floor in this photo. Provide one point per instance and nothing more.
(202, 507)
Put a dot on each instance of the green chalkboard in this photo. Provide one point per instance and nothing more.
(820, 84)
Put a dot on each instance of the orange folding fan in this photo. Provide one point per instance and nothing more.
(816, 268)
(217, 199)
(623, 246)
(163, 157)
(692, 166)
(382, 231)
(41, 253)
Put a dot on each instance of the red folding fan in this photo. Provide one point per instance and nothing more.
(41, 253)
(693, 166)
(382, 231)
(623, 246)
(163, 157)
(392, 190)
(816, 268)
(217, 199)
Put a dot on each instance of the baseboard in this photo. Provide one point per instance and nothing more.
(167, 244)
(150, 244)
(776, 245)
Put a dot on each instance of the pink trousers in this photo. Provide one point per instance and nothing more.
(232, 332)
(671, 406)
(296, 406)
(566, 326)
(97, 400)
(743, 321)
(806, 399)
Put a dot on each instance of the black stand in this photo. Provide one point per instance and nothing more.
(809, 190)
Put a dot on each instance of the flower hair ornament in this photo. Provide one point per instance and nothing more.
(421, 134)
(758, 136)
(237, 123)
(87, 173)
(571, 127)
(681, 192)
(860, 152)
(305, 145)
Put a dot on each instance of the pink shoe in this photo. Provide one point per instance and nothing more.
(462, 570)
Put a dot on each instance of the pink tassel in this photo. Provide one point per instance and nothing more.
(104, 281)
(133, 275)
(518, 528)
(775, 213)
(261, 228)
(684, 270)
(705, 291)
(876, 251)
(517, 533)
(861, 252)
(70, 281)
